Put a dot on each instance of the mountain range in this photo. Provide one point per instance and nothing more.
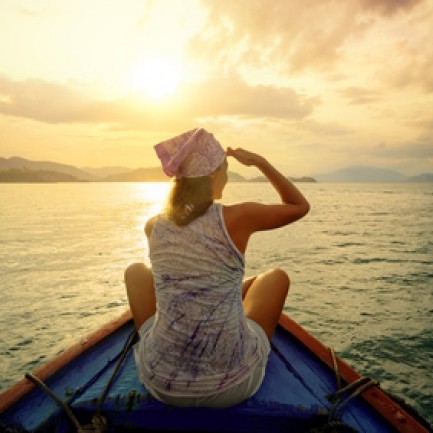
(17, 169)
(361, 173)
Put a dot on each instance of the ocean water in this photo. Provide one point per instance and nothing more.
(361, 266)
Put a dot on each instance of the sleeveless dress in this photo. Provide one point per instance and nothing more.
(200, 342)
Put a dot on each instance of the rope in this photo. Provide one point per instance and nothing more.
(125, 350)
(99, 422)
(334, 427)
(360, 388)
(332, 423)
(336, 368)
(64, 406)
(337, 396)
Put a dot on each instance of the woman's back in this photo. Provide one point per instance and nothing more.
(203, 341)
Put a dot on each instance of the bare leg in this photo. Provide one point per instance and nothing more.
(141, 292)
(246, 285)
(264, 298)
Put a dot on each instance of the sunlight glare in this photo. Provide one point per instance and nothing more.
(155, 195)
(158, 77)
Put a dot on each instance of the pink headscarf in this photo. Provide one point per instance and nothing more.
(191, 154)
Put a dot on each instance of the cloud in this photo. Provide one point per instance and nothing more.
(31, 8)
(359, 95)
(419, 148)
(402, 50)
(389, 7)
(415, 71)
(293, 36)
(255, 33)
(324, 129)
(56, 103)
(47, 102)
(411, 156)
(231, 96)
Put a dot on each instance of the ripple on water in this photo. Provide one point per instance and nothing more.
(20, 344)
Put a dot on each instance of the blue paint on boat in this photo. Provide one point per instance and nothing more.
(292, 398)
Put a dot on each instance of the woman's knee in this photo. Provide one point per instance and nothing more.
(281, 274)
(135, 271)
(140, 292)
(280, 278)
(266, 298)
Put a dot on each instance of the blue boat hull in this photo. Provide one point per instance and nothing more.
(292, 398)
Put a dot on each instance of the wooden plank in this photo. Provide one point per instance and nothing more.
(378, 399)
(22, 387)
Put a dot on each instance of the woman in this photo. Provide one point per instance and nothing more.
(204, 332)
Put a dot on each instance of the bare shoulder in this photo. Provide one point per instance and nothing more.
(239, 211)
(234, 218)
(236, 212)
(149, 225)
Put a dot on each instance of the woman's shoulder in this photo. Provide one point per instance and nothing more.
(239, 210)
(149, 225)
(239, 213)
(235, 219)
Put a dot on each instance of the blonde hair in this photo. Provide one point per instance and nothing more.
(189, 198)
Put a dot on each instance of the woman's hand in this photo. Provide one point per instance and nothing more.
(245, 157)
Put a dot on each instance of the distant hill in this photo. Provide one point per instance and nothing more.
(423, 177)
(17, 169)
(307, 179)
(22, 163)
(293, 179)
(103, 172)
(236, 177)
(15, 175)
(361, 174)
(153, 174)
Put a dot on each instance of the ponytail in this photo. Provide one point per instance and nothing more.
(190, 197)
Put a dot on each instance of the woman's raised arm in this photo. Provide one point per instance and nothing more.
(246, 218)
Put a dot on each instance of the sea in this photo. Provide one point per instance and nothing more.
(360, 263)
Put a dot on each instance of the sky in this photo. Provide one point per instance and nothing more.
(313, 85)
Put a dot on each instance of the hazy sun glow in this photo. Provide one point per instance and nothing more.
(154, 194)
(157, 77)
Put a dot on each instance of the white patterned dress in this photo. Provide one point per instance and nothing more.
(200, 342)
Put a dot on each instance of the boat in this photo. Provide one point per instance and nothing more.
(93, 386)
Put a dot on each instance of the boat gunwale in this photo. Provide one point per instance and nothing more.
(48, 368)
(378, 399)
(374, 396)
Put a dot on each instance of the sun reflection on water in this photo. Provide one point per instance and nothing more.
(153, 196)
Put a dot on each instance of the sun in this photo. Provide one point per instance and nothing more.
(158, 77)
